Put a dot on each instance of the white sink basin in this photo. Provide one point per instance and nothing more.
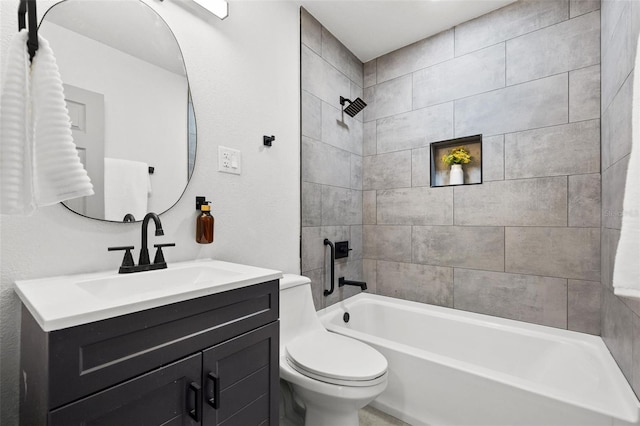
(72, 300)
(122, 286)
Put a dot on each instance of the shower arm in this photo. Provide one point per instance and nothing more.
(333, 269)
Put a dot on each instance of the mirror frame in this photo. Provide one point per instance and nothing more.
(189, 104)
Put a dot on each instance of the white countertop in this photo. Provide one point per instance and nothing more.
(72, 300)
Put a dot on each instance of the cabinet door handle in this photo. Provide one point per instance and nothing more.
(197, 391)
(214, 398)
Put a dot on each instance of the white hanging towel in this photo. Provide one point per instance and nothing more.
(626, 271)
(126, 188)
(40, 164)
(58, 172)
(16, 162)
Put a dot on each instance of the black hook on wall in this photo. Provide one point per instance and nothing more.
(268, 140)
(28, 7)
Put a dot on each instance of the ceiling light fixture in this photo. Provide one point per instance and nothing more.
(220, 8)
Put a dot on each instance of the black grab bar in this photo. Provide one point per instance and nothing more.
(333, 266)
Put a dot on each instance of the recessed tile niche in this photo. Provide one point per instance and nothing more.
(472, 170)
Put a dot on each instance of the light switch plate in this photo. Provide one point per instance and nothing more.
(229, 160)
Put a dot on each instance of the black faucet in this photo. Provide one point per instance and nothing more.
(144, 251)
(144, 263)
(342, 282)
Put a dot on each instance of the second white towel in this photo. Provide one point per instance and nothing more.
(126, 188)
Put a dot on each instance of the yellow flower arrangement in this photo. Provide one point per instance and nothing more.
(459, 155)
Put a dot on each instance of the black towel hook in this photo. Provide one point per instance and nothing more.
(29, 7)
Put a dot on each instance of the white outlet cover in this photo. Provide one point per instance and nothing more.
(229, 160)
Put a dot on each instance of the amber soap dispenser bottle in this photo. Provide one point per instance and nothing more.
(204, 224)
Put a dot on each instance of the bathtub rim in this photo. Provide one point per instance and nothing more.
(627, 410)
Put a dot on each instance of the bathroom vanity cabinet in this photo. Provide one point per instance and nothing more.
(205, 361)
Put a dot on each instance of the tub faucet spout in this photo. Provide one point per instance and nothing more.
(342, 282)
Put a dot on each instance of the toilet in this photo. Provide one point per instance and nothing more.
(333, 376)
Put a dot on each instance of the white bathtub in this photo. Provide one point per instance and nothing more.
(450, 367)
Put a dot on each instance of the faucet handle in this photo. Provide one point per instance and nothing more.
(159, 255)
(127, 261)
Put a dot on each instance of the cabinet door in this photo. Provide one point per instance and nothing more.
(241, 380)
(170, 395)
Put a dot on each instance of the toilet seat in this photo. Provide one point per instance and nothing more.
(336, 359)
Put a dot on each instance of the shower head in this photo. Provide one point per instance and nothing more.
(354, 106)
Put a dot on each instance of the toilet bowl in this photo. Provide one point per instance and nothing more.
(333, 376)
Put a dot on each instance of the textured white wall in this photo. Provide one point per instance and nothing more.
(244, 76)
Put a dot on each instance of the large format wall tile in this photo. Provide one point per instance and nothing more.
(563, 47)
(311, 31)
(554, 252)
(419, 283)
(527, 202)
(584, 94)
(384, 242)
(616, 126)
(551, 151)
(617, 331)
(369, 202)
(341, 130)
(340, 57)
(369, 138)
(539, 300)
(321, 79)
(369, 274)
(493, 158)
(611, 12)
(386, 171)
(613, 183)
(584, 200)
(580, 7)
(463, 76)
(370, 73)
(415, 206)
(511, 21)
(525, 106)
(341, 206)
(388, 98)
(355, 243)
(316, 158)
(460, 246)
(356, 172)
(312, 113)
(413, 57)
(609, 246)
(311, 204)
(421, 167)
(584, 298)
(618, 52)
(415, 129)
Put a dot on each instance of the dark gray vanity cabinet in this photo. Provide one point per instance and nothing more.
(206, 361)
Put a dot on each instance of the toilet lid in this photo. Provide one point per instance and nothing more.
(334, 358)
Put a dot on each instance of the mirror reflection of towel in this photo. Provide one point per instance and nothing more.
(126, 188)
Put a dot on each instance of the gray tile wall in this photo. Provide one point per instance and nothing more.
(620, 316)
(526, 243)
(332, 162)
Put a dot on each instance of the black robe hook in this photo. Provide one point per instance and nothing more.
(28, 7)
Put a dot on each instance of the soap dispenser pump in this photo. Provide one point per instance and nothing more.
(204, 224)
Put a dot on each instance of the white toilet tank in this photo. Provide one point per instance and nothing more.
(297, 311)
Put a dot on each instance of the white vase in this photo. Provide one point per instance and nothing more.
(456, 176)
